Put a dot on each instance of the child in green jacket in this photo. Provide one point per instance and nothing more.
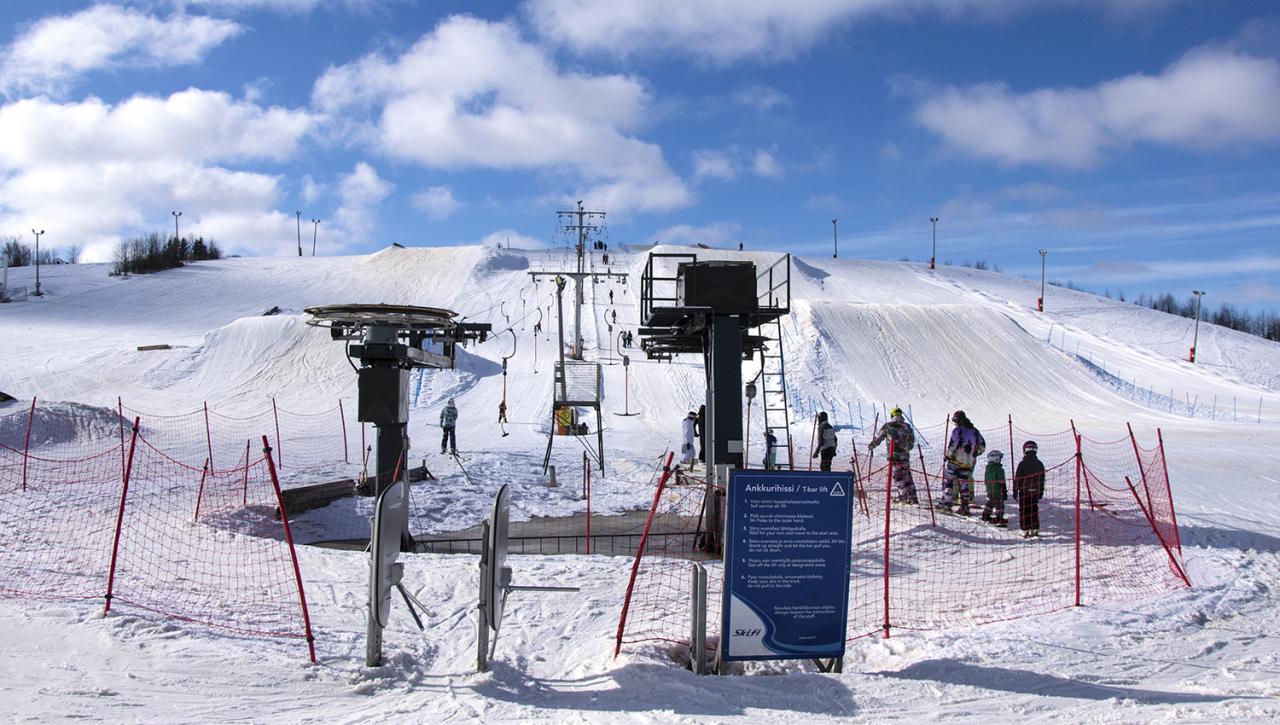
(997, 492)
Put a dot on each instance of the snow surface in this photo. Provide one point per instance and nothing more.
(862, 335)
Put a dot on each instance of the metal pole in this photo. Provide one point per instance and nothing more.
(1195, 337)
(933, 254)
(835, 241)
(38, 292)
(1044, 253)
(315, 228)
(176, 214)
(298, 214)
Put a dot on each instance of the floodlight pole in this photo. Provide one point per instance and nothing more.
(38, 292)
(176, 214)
(315, 228)
(1195, 337)
(298, 214)
(1044, 253)
(933, 254)
(835, 240)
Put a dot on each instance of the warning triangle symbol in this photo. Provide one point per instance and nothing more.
(837, 490)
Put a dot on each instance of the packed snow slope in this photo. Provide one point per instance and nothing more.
(862, 335)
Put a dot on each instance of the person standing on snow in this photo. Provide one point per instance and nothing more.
(770, 450)
(904, 439)
(997, 492)
(1028, 489)
(448, 422)
(961, 455)
(700, 429)
(502, 417)
(826, 442)
(687, 452)
(610, 296)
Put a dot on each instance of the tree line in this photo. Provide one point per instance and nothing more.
(1264, 323)
(17, 253)
(153, 253)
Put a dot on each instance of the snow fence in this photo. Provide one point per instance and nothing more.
(1107, 532)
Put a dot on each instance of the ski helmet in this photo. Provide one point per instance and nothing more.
(1030, 447)
(896, 412)
(822, 417)
(450, 401)
(958, 416)
(995, 456)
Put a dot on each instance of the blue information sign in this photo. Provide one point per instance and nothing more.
(786, 565)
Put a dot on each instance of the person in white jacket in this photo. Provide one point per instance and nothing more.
(688, 453)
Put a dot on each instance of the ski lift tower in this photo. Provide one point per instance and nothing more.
(389, 341)
(711, 308)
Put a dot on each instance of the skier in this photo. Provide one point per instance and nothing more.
(961, 455)
(537, 328)
(701, 431)
(826, 442)
(611, 300)
(904, 439)
(1028, 489)
(502, 417)
(997, 492)
(770, 450)
(687, 452)
(615, 312)
(448, 422)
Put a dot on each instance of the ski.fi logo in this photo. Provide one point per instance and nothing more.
(747, 632)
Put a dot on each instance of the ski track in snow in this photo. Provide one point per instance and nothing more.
(864, 332)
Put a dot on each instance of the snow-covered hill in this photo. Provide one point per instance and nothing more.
(862, 335)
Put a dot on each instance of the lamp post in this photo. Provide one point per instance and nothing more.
(1044, 253)
(298, 214)
(33, 231)
(1195, 337)
(315, 227)
(933, 255)
(175, 214)
(835, 241)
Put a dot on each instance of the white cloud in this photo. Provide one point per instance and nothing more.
(714, 234)
(312, 190)
(1206, 99)
(52, 52)
(286, 6)
(512, 238)
(359, 194)
(825, 202)
(890, 152)
(437, 201)
(722, 31)
(474, 94)
(711, 164)
(766, 164)
(92, 173)
(760, 97)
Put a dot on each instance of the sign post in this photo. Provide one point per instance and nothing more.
(786, 566)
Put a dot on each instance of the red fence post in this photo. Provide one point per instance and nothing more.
(1177, 535)
(120, 414)
(293, 554)
(635, 565)
(888, 485)
(200, 492)
(26, 447)
(245, 502)
(1078, 465)
(279, 441)
(208, 435)
(342, 415)
(1141, 469)
(933, 517)
(124, 493)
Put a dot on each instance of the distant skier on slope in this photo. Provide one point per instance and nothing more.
(826, 442)
(448, 423)
(961, 455)
(904, 439)
(1028, 489)
(687, 452)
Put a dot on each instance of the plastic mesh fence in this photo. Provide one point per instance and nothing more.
(919, 567)
(186, 543)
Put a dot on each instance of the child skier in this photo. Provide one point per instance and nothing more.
(899, 431)
(997, 492)
(770, 450)
(1028, 489)
(826, 442)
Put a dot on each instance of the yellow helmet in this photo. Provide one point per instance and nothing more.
(895, 413)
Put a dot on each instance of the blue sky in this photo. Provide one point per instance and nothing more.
(1135, 139)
